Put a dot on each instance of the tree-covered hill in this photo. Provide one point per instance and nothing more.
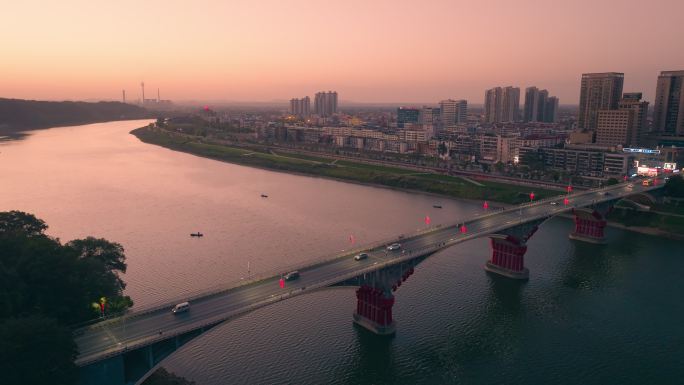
(17, 114)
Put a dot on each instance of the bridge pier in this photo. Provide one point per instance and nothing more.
(374, 310)
(509, 248)
(375, 298)
(150, 357)
(590, 224)
(508, 257)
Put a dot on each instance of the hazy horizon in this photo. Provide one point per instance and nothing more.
(384, 52)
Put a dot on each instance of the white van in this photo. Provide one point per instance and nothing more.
(181, 307)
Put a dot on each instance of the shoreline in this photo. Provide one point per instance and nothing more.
(638, 229)
(23, 131)
(392, 177)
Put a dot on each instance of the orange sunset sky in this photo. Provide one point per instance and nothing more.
(369, 51)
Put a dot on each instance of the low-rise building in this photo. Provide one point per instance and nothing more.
(590, 161)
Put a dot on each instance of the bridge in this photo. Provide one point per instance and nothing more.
(124, 350)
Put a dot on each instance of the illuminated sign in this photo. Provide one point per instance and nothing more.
(640, 150)
(648, 171)
(670, 166)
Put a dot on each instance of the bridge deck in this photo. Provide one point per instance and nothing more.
(142, 328)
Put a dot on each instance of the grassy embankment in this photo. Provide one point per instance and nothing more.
(665, 223)
(345, 170)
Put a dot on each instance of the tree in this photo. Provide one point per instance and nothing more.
(612, 181)
(534, 160)
(37, 350)
(100, 262)
(45, 286)
(499, 166)
(18, 222)
(674, 187)
(109, 254)
(38, 275)
(442, 149)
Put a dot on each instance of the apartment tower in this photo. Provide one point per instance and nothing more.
(598, 91)
(668, 107)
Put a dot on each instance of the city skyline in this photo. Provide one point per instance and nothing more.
(205, 52)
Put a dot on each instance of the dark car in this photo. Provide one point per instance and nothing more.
(291, 276)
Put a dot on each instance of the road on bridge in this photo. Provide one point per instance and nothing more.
(142, 327)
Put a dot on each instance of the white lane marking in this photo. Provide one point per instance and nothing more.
(111, 336)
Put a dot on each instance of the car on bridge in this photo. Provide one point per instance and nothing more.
(361, 256)
(291, 276)
(181, 308)
(393, 247)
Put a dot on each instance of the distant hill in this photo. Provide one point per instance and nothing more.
(17, 114)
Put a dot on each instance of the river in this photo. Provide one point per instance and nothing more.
(590, 314)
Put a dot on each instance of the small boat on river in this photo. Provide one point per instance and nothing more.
(437, 206)
(197, 234)
(264, 196)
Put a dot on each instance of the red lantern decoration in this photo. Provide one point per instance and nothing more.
(485, 205)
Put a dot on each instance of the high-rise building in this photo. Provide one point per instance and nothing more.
(598, 91)
(632, 101)
(325, 103)
(539, 107)
(453, 112)
(430, 115)
(551, 110)
(668, 107)
(300, 107)
(623, 126)
(493, 105)
(510, 104)
(407, 115)
(614, 127)
(531, 112)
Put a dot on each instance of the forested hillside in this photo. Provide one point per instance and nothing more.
(17, 114)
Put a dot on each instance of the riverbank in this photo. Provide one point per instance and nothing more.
(348, 171)
(648, 222)
(614, 222)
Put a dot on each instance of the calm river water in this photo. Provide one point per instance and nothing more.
(590, 314)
